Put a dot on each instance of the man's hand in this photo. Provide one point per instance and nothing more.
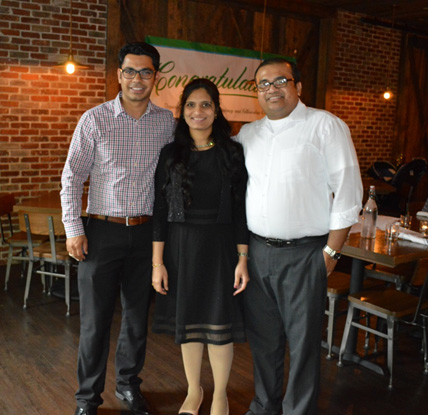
(77, 247)
(330, 263)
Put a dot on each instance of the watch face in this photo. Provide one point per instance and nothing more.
(336, 256)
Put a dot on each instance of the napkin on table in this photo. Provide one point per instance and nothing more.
(422, 215)
(412, 236)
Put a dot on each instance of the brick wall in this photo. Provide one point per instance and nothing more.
(39, 103)
(360, 76)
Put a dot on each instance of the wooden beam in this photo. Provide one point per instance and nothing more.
(114, 43)
(326, 63)
(302, 9)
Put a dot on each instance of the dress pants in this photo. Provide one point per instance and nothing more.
(285, 302)
(119, 261)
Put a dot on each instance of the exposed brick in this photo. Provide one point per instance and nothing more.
(359, 80)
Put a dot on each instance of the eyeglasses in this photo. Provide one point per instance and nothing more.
(277, 83)
(131, 73)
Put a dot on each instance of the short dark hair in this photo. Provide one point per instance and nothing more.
(272, 61)
(140, 48)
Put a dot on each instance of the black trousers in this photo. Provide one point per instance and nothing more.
(118, 262)
(285, 303)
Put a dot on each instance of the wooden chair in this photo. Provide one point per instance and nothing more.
(397, 275)
(15, 240)
(338, 284)
(53, 252)
(393, 306)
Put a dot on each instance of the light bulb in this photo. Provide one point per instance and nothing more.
(70, 68)
(387, 94)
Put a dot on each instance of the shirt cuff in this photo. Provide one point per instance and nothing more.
(342, 220)
(74, 228)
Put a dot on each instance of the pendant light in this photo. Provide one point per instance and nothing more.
(388, 90)
(71, 64)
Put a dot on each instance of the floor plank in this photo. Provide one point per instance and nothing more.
(38, 350)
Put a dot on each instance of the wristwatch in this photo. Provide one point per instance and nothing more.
(334, 254)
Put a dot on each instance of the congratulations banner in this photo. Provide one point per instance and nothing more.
(232, 70)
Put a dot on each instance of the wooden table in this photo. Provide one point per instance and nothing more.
(50, 202)
(46, 202)
(376, 251)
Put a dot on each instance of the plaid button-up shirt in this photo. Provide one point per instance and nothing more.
(120, 155)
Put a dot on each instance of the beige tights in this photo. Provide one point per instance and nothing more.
(221, 362)
(192, 361)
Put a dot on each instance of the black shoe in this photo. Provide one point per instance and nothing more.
(135, 401)
(81, 411)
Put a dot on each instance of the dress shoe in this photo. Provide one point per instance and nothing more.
(136, 402)
(195, 412)
(81, 411)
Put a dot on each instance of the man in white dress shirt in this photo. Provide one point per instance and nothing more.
(304, 193)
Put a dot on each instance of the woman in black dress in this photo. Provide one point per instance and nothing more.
(201, 242)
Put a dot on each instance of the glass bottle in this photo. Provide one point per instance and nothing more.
(369, 216)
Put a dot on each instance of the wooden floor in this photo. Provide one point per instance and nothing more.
(38, 349)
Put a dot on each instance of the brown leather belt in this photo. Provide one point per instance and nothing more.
(128, 221)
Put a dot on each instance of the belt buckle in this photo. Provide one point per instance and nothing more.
(127, 221)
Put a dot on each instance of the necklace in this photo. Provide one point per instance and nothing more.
(209, 144)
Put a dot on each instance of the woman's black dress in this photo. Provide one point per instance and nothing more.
(200, 256)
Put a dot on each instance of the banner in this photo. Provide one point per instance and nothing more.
(232, 70)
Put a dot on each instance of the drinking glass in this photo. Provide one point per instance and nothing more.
(423, 228)
(391, 231)
(406, 221)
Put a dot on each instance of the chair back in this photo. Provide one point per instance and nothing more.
(39, 224)
(382, 170)
(406, 180)
(43, 224)
(7, 201)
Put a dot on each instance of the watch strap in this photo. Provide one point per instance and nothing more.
(332, 253)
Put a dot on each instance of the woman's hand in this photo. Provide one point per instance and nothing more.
(160, 279)
(241, 276)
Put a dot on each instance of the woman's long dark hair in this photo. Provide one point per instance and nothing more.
(228, 151)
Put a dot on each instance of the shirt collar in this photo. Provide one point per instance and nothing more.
(298, 114)
(118, 107)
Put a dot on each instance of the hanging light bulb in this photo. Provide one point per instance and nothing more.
(388, 94)
(388, 91)
(71, 64)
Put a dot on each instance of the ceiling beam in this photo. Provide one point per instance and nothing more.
(297, 8)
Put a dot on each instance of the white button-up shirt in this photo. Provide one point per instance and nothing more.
(304, 178)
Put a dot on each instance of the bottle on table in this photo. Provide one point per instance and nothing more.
(369, 216)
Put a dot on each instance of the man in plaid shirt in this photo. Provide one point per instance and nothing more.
(117, 144)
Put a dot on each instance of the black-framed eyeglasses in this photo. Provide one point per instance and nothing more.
(277, 83)
(131, 73)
